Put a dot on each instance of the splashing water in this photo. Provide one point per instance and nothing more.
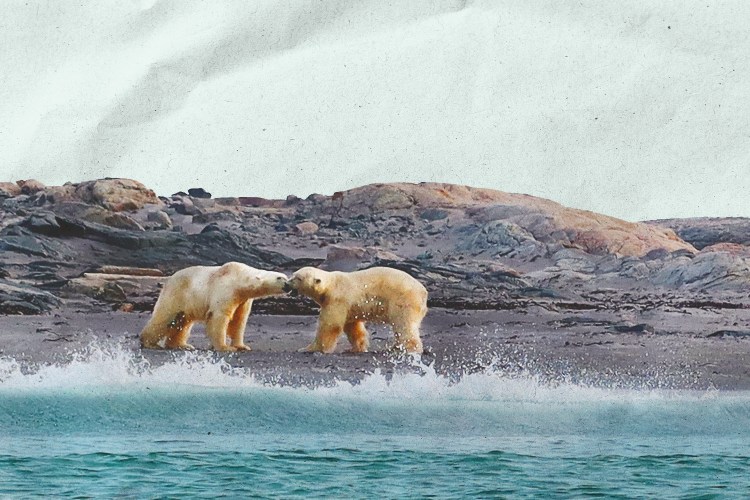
(109, 423)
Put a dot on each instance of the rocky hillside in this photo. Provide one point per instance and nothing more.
(475, 248)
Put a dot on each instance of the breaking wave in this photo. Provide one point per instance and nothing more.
(195, 424)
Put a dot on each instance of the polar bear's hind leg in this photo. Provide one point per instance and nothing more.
(357, 335)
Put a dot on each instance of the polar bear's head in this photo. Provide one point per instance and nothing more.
(308, 281)
(265, 283)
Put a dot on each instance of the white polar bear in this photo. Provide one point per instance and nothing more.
(220, 296)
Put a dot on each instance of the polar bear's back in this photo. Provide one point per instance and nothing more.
(387, 278)
(380, 291)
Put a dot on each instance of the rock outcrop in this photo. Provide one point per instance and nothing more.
(703, 232)
(473, 248)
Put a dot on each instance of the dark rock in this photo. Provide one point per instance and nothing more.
(212, 227)
(111, 292)
(730, 333)
(42, 223)
(123, 221)
(658, 254)
(16, 298)
(571, 321)
(541, 292)
(500, 238)
(180, 194)
(317, 198)
(433, 214)
(702, 232)
(220, 216)
(185, 207)
(199, 193)
(639, 328)
(160, 219)
(292, 200)
(19, 240)
(704, 271)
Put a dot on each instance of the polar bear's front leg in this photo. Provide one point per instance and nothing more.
(330, 325)
(236, 328)
(216, 330)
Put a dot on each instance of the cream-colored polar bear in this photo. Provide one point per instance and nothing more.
(348, 300)
(220, 296)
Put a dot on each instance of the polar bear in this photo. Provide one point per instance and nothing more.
(220, 296)
(348, 300)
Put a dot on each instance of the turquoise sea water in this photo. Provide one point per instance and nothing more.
(109, 425)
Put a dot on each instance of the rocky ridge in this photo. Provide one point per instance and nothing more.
(473, 248)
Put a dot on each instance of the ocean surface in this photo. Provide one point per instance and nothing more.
(110, 425)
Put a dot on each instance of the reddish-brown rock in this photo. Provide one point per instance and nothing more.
(30, 186)
(9, 189)
(546, 220)
(117, 194)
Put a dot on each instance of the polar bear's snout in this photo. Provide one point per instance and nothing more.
(290, 289)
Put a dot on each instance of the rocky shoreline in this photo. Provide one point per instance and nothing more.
(571, 292)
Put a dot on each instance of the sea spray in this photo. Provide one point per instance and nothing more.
(110, 422)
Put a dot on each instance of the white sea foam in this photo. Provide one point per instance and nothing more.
(115, 367)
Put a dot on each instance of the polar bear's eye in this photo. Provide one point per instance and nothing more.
(317, 281)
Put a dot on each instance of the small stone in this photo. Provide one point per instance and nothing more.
(306, 228)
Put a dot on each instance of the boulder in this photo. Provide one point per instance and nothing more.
(116, 194)
(16, 298)
(705, 271)
(306, 228)
(122, 221)
(31, 186)
(292, 200)
(62, 194)
(159, 219)
(185, 206)
(199, 193)
(9, 189)
(42, 223)
(116, 288)
(203, 203)
(501, 238)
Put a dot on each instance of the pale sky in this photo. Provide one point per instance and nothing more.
(637, 109)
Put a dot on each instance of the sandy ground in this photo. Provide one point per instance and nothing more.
(658, 349)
